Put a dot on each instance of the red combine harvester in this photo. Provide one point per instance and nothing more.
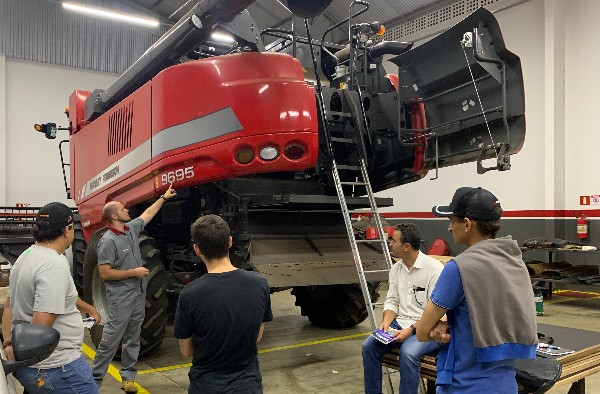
(246, 133)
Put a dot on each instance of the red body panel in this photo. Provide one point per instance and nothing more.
(419, 121)
(186, 125)
(77, 110)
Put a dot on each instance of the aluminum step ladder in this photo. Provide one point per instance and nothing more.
(358, 164)
(354, 165)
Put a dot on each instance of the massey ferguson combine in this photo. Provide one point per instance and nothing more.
(247, 133)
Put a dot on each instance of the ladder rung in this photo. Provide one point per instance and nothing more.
(344, 140)
(375, 271)
(361, 211)
(354, 183)
(364, 241)
(347, 167)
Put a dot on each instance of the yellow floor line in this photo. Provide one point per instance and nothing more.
(273, 349)
(112, 370)
(558, 292)
(311, 343)
(162, 369)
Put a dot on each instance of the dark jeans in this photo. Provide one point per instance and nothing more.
(72, 378)
(410, 353)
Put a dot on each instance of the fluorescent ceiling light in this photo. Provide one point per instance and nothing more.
(111, 14)
(222, 37)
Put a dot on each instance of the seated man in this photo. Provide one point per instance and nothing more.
(411, 282)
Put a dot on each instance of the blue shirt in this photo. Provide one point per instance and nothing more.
(458, 370)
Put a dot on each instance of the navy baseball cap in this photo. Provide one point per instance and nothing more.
(473, 203)
(55, 215)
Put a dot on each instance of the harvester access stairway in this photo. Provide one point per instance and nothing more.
(350, 175)
(348, 167)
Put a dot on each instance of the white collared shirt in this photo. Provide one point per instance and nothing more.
(410, 289)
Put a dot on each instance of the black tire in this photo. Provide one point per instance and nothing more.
(78, 247)
(157, 303)
(155, 321)
(334, 306)
(93, 287)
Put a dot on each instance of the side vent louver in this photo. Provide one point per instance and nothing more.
(119, 129)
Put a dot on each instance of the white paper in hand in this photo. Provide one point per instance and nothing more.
(89, 322)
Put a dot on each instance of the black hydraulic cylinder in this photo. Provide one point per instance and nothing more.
(187, 34)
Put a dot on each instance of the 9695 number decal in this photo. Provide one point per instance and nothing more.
(177, 175)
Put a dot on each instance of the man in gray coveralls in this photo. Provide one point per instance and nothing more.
(121, 267)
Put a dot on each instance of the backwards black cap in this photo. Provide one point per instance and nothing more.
(55, 216)
(472, 203)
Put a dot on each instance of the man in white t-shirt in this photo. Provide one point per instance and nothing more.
(411, 282)
(42, 292)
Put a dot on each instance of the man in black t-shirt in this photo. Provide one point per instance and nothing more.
(221, 316)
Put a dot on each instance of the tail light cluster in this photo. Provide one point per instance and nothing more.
(270, 152)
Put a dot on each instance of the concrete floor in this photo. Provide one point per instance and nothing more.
(296, 357)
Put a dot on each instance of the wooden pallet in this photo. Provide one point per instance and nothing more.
(575, 368)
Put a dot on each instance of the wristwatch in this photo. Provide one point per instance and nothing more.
(163, 197)
(414, 329)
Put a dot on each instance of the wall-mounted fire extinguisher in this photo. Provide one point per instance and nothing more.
(582, 227)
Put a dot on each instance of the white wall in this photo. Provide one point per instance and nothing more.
(2, 130)
(582, 92)
(522, 187)
(37, 93)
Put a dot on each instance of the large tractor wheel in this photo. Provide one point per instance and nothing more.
(155, 321)
(334, 306)
(78, 248)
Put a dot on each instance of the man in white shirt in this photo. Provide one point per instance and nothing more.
(411, 282)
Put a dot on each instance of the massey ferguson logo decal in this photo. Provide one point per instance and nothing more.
(103, 179)
(113, 172)
(82, 191)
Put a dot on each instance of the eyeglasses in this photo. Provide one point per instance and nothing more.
(70, 226)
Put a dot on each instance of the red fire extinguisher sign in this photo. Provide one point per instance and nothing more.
(584, 200)
(582, 227)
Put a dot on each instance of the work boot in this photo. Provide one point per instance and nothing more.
(129, 386)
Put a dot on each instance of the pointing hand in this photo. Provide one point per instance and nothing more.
(170, 192)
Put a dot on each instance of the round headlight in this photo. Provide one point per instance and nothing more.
(268, 153)
(294, 151)
(244, 156)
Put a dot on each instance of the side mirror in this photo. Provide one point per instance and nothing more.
(32, 343)
(49, 129)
